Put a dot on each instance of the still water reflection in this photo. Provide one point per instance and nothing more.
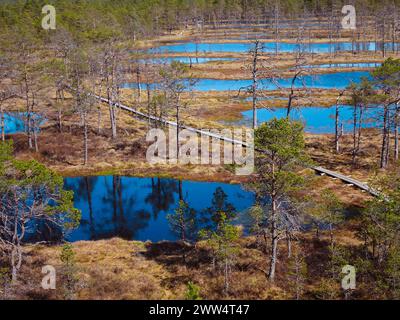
(335, 80)
(186, 60)
(136, 208)
(317, 119)
(240, 47)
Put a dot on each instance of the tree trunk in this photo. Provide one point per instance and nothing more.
(113, 120)
(274, 232)
(254, 85)
(139, 87)
(59, 119)
(60, 97)
(394, 33)
(148, 102)
(35, 137)
(354, 153)
(85, 140)
(383, 37)
(357, 132)
(98, 120)
(29, 128)
(360, 123)
(28, 112)
(276, 28)
(16, 259)
(177, 128)
(110, 85)
(289, 244)
(274, 245)
(291, 95)
(16, 253)
(226, 276)
(338, 133)
(385, 137)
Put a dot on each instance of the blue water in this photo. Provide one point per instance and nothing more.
(13, 123)
(338, 80)
(136, 208)
(186, 60)
(267, 47)
(316, 119)
(346, 65)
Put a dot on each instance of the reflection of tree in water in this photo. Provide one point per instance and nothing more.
(83, 190)
(125, 223)
(219, 204)
(112, 215)
(44, 230)
(184, 221)
(161, 197)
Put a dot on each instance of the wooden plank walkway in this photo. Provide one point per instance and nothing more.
(320, 170)
(358, 184)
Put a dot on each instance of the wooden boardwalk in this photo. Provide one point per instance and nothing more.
(320, 170)
(353, 182)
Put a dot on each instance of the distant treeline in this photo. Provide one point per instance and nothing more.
(135, 19)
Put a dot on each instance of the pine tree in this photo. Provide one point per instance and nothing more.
(277, 180)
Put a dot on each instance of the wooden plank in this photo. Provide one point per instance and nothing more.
(320, 170)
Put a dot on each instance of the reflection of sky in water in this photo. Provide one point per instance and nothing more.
(186, 60)
(268, 47)
(337, 80)
(136, 208)
(346, 65)
(316, 119)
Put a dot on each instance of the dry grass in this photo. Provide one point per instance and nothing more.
(120, 269)
(112, 269)
(126, 156)
(321, 149)
(63, 151)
